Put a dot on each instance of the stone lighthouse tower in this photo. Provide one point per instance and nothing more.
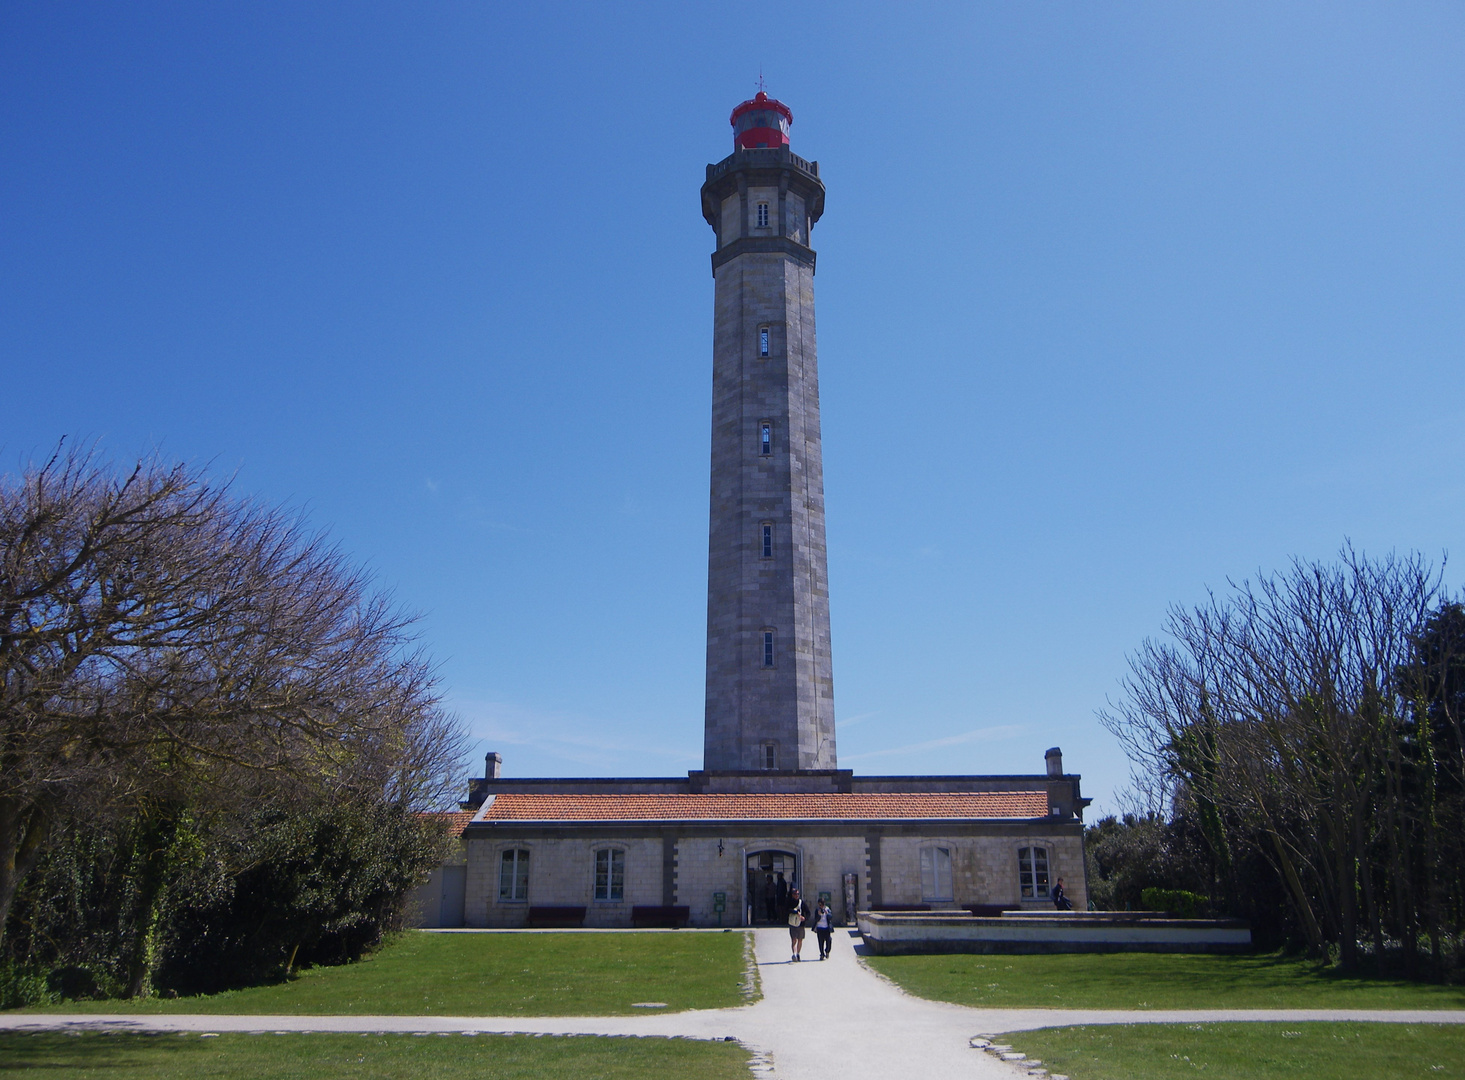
(770, 685)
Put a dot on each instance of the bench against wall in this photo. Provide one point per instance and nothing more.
(557, 916)
(672, 915)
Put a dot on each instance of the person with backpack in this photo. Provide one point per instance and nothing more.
(798, 918)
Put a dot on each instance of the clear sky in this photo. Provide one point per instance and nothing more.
(1115, 301)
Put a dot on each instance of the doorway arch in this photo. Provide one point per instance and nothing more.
(766, 871)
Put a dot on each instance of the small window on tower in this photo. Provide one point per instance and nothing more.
(767, 648)
(765, 436)
(762, 215)
(770, 755)
(768, 539)
(762, 341)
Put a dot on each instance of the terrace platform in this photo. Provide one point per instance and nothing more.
(889, 933)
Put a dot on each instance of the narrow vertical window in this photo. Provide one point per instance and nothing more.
(762, 215)
(765, 437)
(514, 876)
(767, 648)
(610, 874)
(936, 874)
(1032, 873)
(770, 756)
(768, 539)
(762, 341)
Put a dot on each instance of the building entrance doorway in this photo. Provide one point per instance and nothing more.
(771, 874)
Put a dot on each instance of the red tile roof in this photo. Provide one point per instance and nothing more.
(516, 806)
(454, 819)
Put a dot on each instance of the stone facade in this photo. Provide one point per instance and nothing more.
(770, 684)
(688, 865)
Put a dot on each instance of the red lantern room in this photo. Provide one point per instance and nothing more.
(762, 122)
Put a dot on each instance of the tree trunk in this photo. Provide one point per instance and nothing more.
(24, 831)
(1370, 898)
(1317, 946)
(151, 862)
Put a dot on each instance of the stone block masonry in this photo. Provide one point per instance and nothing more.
(770, 683)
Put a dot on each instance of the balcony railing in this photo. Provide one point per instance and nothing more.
(767, 157)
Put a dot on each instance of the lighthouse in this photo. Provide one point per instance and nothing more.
(770, 683)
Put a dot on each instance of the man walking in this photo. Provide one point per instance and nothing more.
(824, 928)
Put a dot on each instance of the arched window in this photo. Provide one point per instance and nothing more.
(1032, 872)
(936, 874)
(514, 876)
(610, 874)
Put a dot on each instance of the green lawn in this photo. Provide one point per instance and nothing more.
(1153, 981)
(364, 1057)
(1250, 1051)
(419, 974)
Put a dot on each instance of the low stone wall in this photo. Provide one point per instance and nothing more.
(1049, 932)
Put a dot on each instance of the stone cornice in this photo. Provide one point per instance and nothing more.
(777, 245)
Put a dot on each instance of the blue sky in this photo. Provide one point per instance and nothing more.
(1115, 302)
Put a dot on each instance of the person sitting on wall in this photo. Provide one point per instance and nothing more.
(1060, 898)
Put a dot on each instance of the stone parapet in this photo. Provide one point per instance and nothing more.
(1053, 932)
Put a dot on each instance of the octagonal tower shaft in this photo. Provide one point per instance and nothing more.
(770, 685)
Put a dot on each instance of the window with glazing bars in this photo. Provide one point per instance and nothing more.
(765, 437)
(610, 874)
(1032, 872)
(762, 341)
(767, 648)
(768, 539)
(936, 873)
(514, 875)
(762, 215)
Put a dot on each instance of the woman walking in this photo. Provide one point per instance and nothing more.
(823, 928)
(798, 918)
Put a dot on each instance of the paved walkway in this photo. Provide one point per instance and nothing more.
(834, 1020)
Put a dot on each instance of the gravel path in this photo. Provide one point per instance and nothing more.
(816, 1021)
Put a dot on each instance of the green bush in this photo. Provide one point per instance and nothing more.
(1186, 905)
(240, 902)
(22, 986)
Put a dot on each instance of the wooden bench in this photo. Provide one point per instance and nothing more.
(672, 915)
(991, 911)
(556, 916)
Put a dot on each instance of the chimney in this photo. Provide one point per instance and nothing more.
(1055, 762)
(493, 764)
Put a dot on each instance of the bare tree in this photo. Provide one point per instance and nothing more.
(160, 637)
(1284, 711)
